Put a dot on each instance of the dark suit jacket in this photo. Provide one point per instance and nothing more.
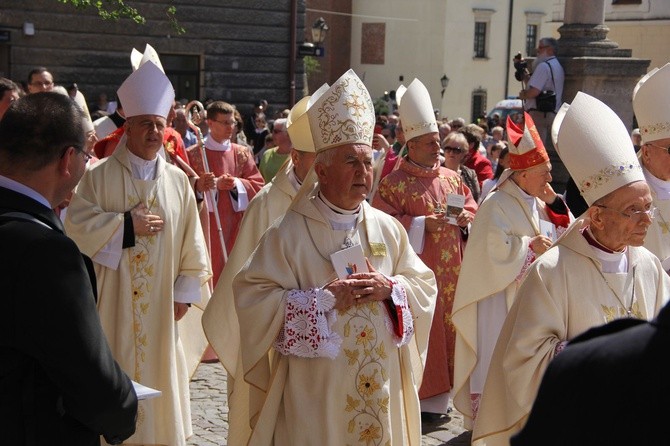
(610, 386)
(59, 384)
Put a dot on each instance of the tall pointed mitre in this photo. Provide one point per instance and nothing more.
(595, 146)
(344, 114)
(651, 102)
(416, 111)
(150, 54)
(297, 123)
(399, 93)
(147, 91)
(526, 148)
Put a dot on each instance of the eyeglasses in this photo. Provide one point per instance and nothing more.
(633, 215)
(448, 149)
(660, 147)
(87, 157)
(228, 123)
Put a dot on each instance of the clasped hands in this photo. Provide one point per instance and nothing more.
(438, 222)
(208, 181)
(360, 288)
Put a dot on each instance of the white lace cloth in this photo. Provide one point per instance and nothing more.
(309, 318)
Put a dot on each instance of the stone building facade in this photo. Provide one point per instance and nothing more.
(235, 50)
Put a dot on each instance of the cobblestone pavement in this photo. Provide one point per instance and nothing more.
(209, 411)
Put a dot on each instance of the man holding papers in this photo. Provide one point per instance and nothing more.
(507, 235)
(335, 361)
(420, 193)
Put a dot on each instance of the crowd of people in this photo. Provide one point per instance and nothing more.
(358, 275)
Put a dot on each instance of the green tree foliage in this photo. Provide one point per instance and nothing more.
(116, 9)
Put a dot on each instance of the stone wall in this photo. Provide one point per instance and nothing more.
(241, 47)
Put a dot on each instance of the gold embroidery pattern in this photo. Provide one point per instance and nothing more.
(369, 403)
(141, 275)
(618, 312)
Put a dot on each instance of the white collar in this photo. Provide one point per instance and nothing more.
(340, 219)
(661, 187)
(293, 179)
(211, 144)
(22, 189)
(142, 169)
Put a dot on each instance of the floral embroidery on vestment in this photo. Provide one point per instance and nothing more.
(605, 175)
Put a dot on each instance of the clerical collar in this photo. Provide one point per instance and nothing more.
(142, 169)
(340, 219)
(294, 180)
(661, 187)
(591, 239)
(529, 199)
(211, 144)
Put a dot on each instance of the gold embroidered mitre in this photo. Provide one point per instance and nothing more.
(344, 114)
(651, 102)
(595, 146)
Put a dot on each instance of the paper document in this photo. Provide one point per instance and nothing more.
(144, 392)
(349, 261)
(455, 205)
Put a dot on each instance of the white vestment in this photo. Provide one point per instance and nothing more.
(495, 259)
(564, 294)
(658, 235)
(220, 319)
(136, 300)
(368, 392)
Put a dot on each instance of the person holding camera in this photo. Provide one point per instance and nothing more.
(542, 97)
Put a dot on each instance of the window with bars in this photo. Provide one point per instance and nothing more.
(480, 40)
(531, 40)
(478, 104)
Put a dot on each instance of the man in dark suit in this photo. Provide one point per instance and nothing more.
(608, 387)
(59, 383)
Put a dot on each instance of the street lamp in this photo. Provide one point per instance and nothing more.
(319, 31)
(444, 80)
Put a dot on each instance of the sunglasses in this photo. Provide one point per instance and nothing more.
(448, 149)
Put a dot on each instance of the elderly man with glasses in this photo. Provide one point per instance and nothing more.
(651, 101)
(598, 270)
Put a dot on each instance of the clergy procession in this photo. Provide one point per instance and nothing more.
(358, 294)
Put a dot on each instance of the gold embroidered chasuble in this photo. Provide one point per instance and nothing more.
(413, 191)
(220, 318)
(563, 295)
(135, 301)
(368, 392)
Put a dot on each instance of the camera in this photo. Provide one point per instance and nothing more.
(521, 67)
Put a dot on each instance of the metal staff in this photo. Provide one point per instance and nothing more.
(195, 113)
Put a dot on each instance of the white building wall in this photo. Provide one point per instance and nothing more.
(429, 38)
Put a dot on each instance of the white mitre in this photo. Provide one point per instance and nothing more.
(297, 123)
(651, 102)
(147, 91)
(150, 54)
(595, 147)
(416, 111)
(344, 114)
